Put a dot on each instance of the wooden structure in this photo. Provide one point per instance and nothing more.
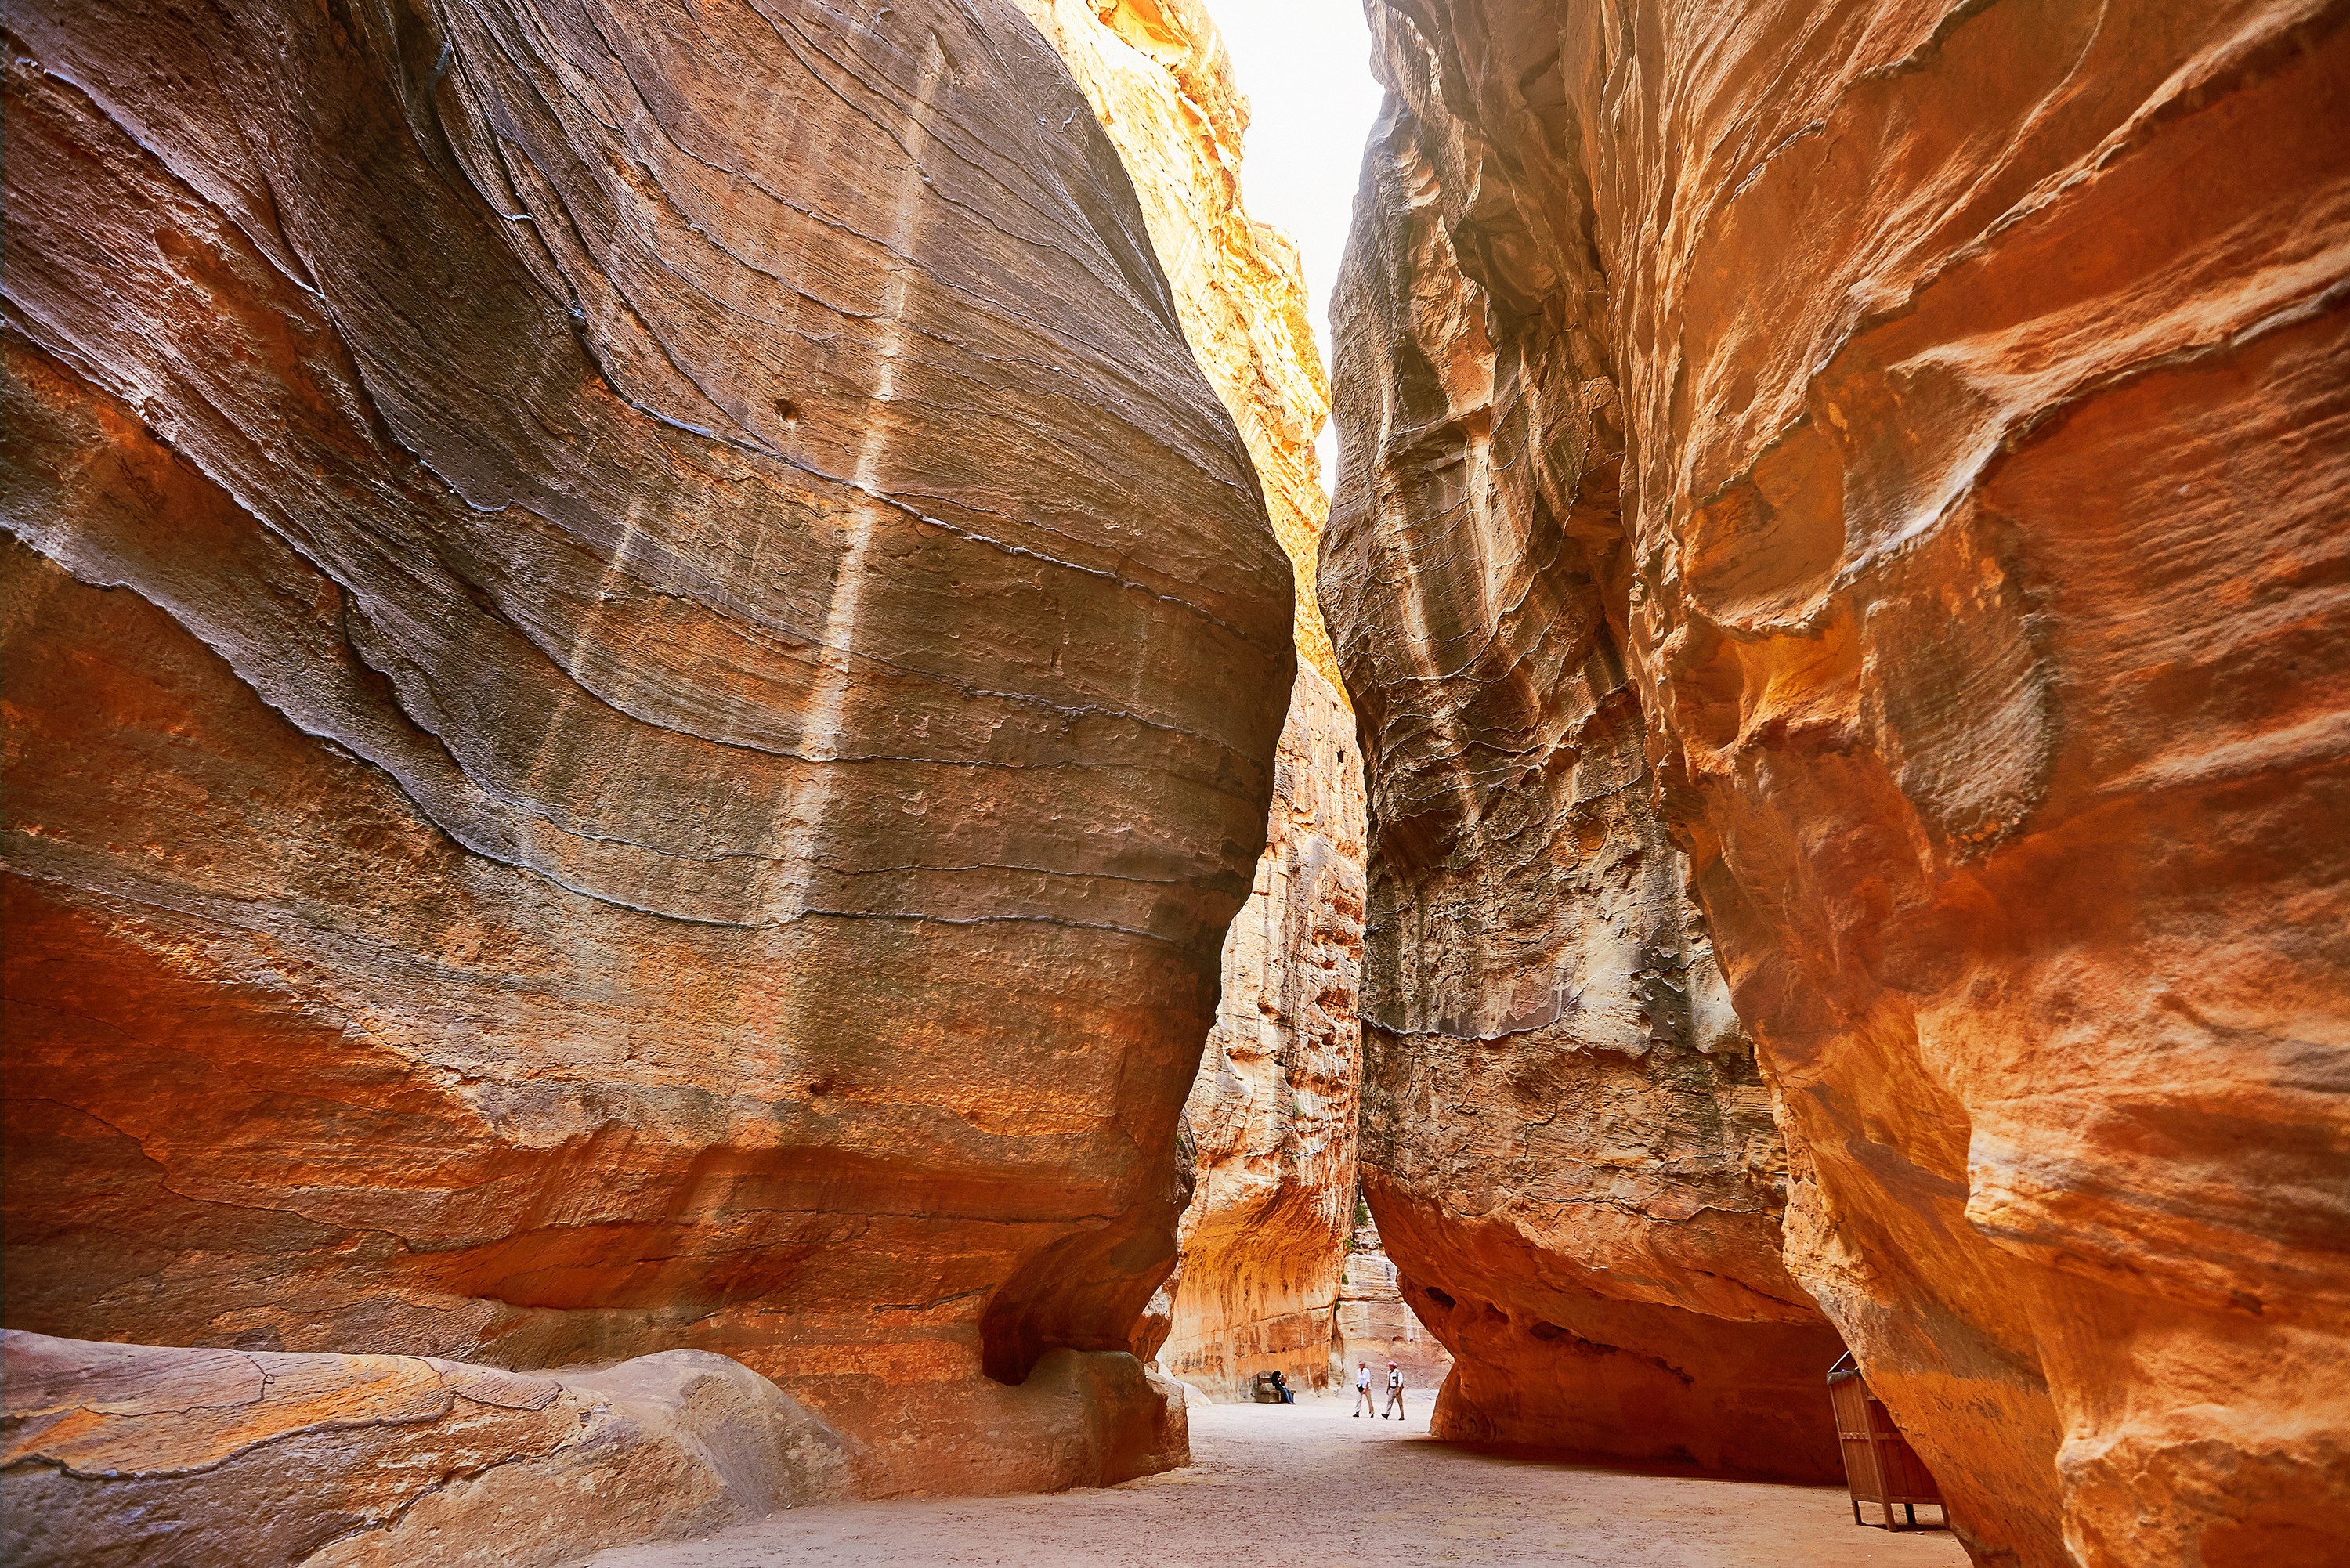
(1879, 1466)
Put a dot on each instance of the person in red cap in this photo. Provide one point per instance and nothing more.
(1395, 1392)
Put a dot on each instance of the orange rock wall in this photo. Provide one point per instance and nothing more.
(615, 742)
(1272, 1112)
(1946, 404)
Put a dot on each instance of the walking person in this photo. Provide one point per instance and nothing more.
(1395, 1392)
(1363, 1388)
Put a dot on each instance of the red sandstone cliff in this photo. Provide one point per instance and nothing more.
(616, 739)
(1925, 426)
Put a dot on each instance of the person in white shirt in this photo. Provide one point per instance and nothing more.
(1363, 1388)
(1395, 1392)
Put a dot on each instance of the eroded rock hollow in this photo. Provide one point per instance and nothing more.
(1848, 500)
(642, 680)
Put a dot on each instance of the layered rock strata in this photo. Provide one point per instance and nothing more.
(615, 742)
(1918, 435)
(1272, 1112)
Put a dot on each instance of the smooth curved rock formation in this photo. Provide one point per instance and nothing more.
(135, 1454)
(642, 680)
(1939, 412)
(1272, 1112)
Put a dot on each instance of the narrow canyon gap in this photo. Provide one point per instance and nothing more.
(1271, 1119)
(646, 656)
(642, 682)
(1839, 560)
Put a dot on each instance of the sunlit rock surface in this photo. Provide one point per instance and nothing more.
(1377, 1325)
(1272, 1112)
(1273, 1109)
(1926, 426)
(642, 680)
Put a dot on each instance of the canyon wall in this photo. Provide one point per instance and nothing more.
(1567, 1143)
(617, 742)
(1895, 456)
(1273, 1111)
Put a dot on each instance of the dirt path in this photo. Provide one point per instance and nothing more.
(1289, 1487)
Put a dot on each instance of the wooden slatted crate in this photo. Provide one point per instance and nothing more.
(1879, 1466)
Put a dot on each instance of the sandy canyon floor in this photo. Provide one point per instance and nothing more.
(1272, 1487)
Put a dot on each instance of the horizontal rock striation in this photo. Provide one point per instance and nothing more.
(1160, 82)
(642, 680)
(1917, 436)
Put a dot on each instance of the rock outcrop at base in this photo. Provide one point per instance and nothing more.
(1908, 447)
(642, 680)
(1272, 1112)
(137, 1454)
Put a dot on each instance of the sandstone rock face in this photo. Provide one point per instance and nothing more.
(616, 741)
(1272, 1112)
(1377, 1325)
(1273, 1109)
(1158, 79)
(136, 1454)
(1926, 425)
(1567, 1144)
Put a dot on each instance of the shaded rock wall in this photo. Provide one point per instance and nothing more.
(1273, 1109)
(1941, 411)
(615, 742)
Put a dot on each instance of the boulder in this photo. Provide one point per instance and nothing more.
(138, 1454)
